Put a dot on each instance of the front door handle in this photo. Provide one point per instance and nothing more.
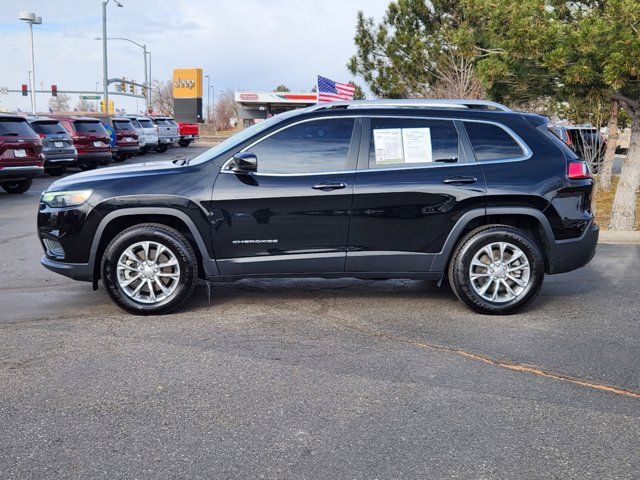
(328, 186)
(459, 180)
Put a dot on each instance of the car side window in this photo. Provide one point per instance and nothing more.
(308, 147)
(491, 142)
(412, 142)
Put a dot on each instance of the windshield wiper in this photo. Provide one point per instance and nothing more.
(11, 134)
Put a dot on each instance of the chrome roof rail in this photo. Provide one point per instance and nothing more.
(414, 103)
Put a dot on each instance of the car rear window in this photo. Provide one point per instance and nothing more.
(89, 126)
(15, 127)
(125, 125)
(135, 122)
(145, 123)
(160, 121)
(491, 142)
(49, 127)
(171, 121)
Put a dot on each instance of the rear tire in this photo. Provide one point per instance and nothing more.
(161, 148)
(184, 143)
(17, 186)
(133, 273)
(500, 284)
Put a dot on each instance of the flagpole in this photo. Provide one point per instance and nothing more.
(317, 90)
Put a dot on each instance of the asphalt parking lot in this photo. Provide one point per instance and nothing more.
(315, 378)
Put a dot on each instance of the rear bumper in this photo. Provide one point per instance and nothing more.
(567, 255)
(128, 150)
(51, 160)
(167, 140)
(94, 157)
(20, 173)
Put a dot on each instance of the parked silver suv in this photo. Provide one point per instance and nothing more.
(57, 145)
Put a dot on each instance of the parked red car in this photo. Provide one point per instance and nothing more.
(188, 133)
(21, 156)
(91, 140)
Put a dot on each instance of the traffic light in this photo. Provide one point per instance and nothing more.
(132, 87)
(102, 107)
(54, 90)
(111, 107)
(123, 86)
(144, 92)
(25, 90)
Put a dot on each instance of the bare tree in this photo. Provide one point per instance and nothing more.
(455, 77)
(162, 98)
(60, 103)
(84, 105)
(225, 110)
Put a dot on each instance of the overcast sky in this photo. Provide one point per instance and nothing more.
(241, 44)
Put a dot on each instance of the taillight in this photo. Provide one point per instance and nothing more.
(578, 171)
(42, 135)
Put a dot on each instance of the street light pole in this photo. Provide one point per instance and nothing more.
(146, 78)
(33, 72)
(208, 97)
(105, 76)
(31, 19)
(150, 83)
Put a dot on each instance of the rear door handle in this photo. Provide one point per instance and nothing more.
(328, 186)
(458, 180)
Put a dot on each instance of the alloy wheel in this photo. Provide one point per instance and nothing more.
(148, 272)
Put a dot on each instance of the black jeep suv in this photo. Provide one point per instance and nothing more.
(469, 191)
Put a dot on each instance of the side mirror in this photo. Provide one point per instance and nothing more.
(244, 162)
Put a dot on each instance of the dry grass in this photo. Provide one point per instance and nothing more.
(604, 202)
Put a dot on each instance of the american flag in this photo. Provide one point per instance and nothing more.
(330, 91)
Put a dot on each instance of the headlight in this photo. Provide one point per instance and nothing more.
(70, 198)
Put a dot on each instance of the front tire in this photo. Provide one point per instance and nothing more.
(17, 186)
(496, 270)
(149, 269)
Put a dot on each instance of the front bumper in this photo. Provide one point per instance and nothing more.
(76, 271)
(567, 255)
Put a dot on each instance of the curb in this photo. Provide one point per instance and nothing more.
(619, 237)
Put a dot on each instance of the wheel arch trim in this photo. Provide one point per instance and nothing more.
(441, 259)
(208, 263)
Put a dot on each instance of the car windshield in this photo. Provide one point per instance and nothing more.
(15, 127)
(240, 137)
(125, 125)
(145, 123)
(50, 127)
(89, 126)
